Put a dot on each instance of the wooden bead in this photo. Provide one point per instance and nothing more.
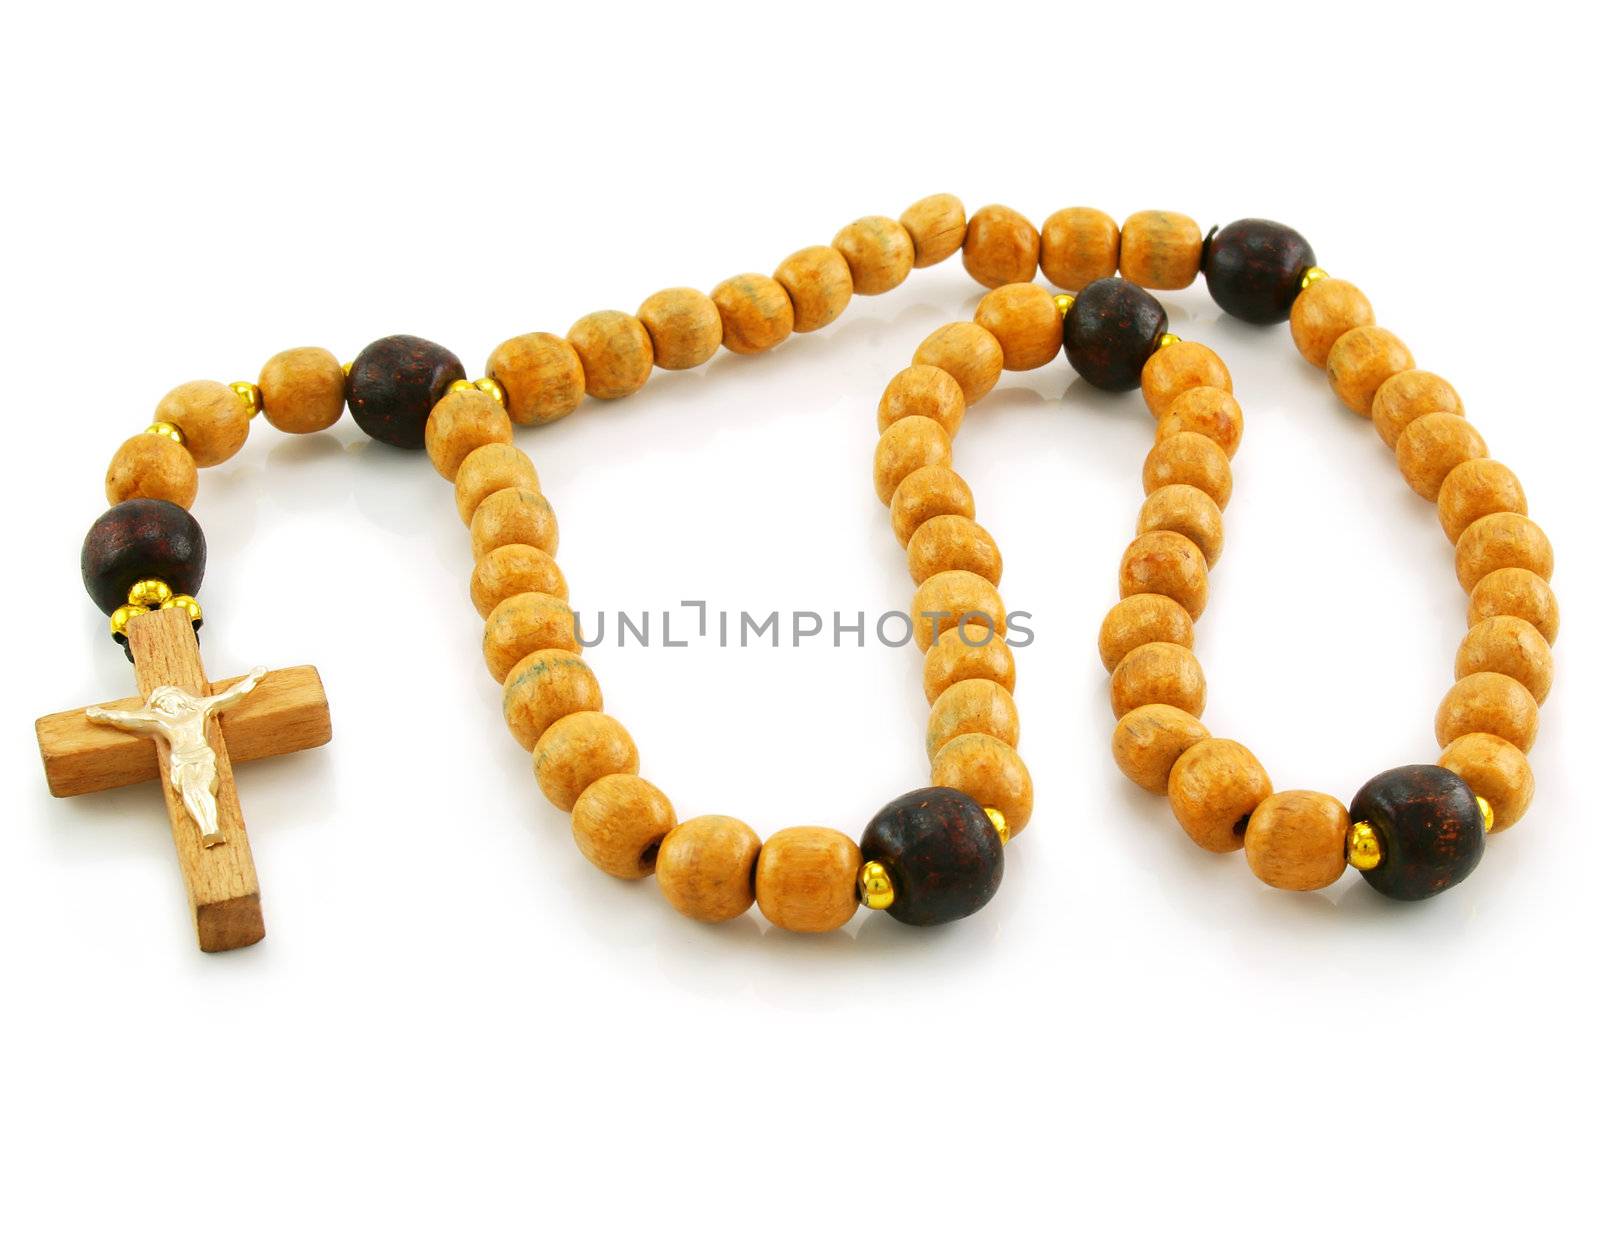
(542, 377)
(953, 543)
(968, 352)
(522, 624)
(817, 280)
(1001, 246)
(1141, 618)
(1503, 540)
(507, 571)
(1186, 510)
(924, 494)
(1215, 787)
(937, 225)
(1158, 672)
(619, 823)
(1361, 360)
(514, 516)
(1165, 563)
(904, 447)
(459, 424)
(941, 852)
(879, 251)
(141, 539)
(948, 600)
(1174, 370)
(214, 420)
(1296, 840)
(393, 384)
(706, 868)
(1078, 246)
(1207, 410)
(1475, 489)
(545, 686)
(756, 313)
(988, 771)
(489, 469)
(972, 706)
(1430, 828)
(1408, 395)
(1323, 313)
(1025, 321)
(1512, 647)
(1518, 592)
(1432, 446)
(151, 465)
(922, 390)
(614, 349)
(954, 658)
(1494, 770)
(576, 751)
(302, 390)
(684, 325)
(1488, 702)
(806, 879)
(1148, 740)
(1189, 459)
(1110, 332)
(1160, 250)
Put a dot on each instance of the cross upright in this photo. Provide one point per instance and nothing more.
(189, 732)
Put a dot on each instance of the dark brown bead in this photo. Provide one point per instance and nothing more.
(394, 384)
(942, 854)
(1429, 825)
(1253, 269)
(1111, 330)
(140, 540)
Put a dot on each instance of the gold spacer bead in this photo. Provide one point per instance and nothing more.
(1362, 848)
(121, 616)
(150, 593)
(1168, 340)
(456, 387)
(249, 394)
(492, 388)
(1001, 827)
(1311, 277)
(1064, 303)
(347, 366)
(165, 429)
(1487, 811)
(877, 889)
(186, 604)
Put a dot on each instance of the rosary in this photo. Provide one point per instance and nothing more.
(935, 854)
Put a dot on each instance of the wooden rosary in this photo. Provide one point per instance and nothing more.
(935, 854)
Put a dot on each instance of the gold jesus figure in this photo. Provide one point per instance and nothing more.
(180, 718)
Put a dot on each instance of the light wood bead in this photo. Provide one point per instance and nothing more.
(1475, 489)
(151, 465)
(958, 595)
(924, 494)
(817, 280)
(1503, 540)
(1160, 250)
(522, 624)
(1494, 770)
(1186, 510)
(756, 313)
(1173, 370)
(1165, 563)
(1078, 246)
(953, 543)
(1142, 618)
(1206, 410)
(972, 706)
(507, 571)
(684, 325)
(615, 351)
(806, 879)
(706, 868)
(1189, 459)
(541, 374)
(879, 251)
(968, 352)
(459, 424)
(514, 516)
(488, 470)
(905, 446)
(1432, 447)
(952, 659)
(1407, 396)
(922, 390)
(545, 686)
(1148, 740)
(302, 390)
(1518, 592)
(1295, 840)
(1361, 360)
(619, 823)
(1488, 702)
(1025, 321)
(578, 750)
(1512, 647)
(1158, 672)
(990, 772)
(214, 420)
(1323, 313)
(937, 225)
(1215, 786)
(1001, 247)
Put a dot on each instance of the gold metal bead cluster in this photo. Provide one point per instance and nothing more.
(152, 595)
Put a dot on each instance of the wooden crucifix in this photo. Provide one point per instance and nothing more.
(189, 732)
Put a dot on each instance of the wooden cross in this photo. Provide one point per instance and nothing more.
(285, 712)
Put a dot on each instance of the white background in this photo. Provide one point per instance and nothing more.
(457, 1030)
